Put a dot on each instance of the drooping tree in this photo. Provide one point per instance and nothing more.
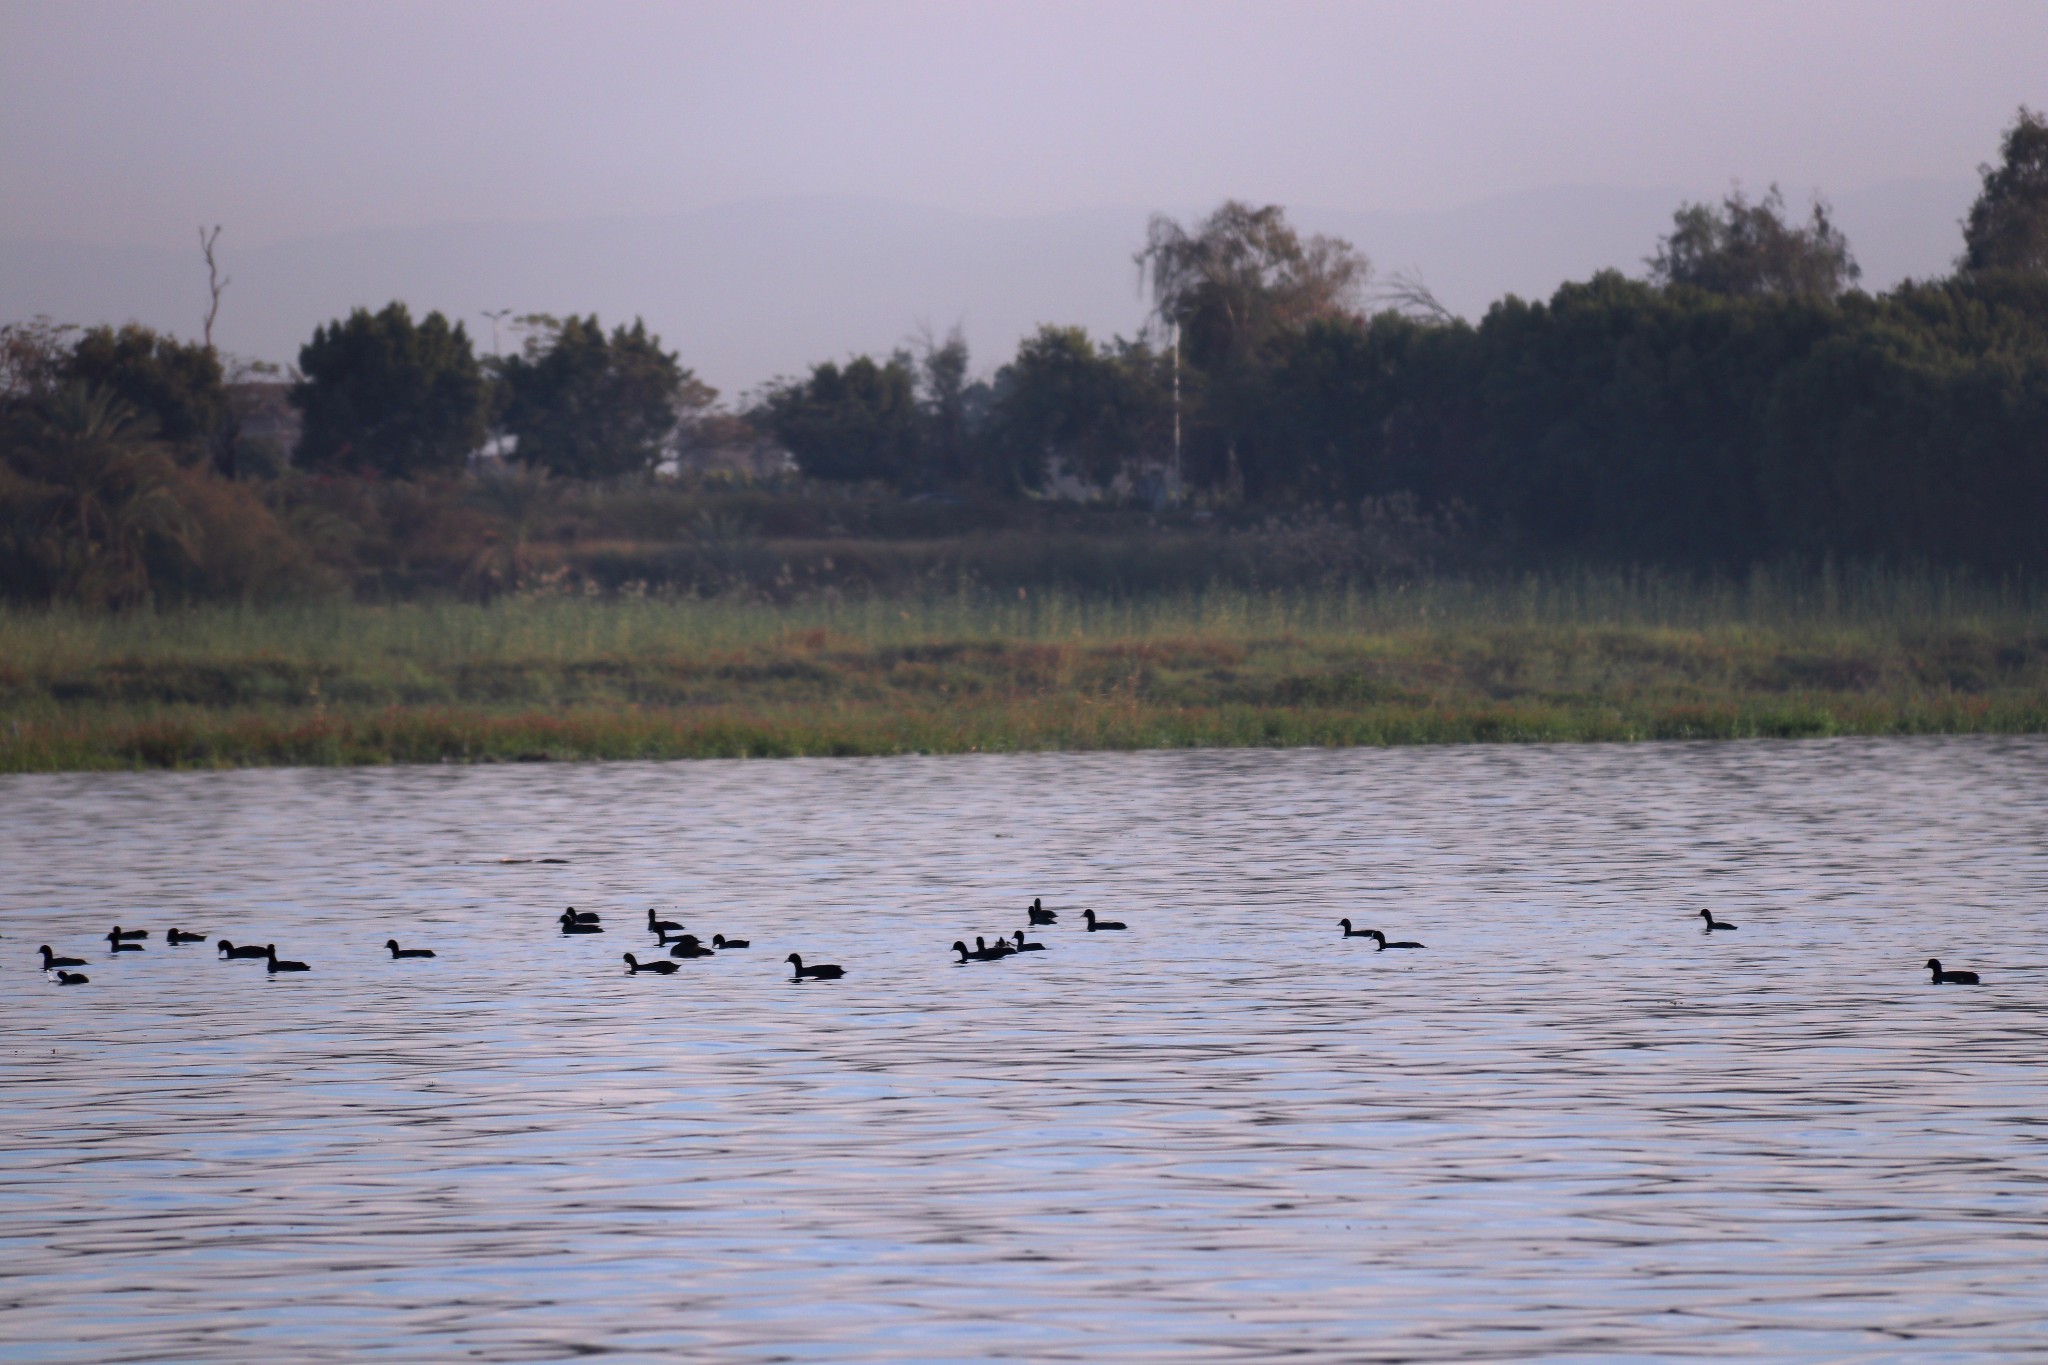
(2008, 225)
(590, 406)
(1748, 250)
(1233, 286)
(383, 395)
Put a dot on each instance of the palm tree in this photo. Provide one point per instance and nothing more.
(105, 493)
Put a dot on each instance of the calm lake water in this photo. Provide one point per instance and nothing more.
(1574, 1126)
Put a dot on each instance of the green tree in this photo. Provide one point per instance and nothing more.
(89, 498)
(1097, 411)
(1747, 250)
(175, 384)
(2008, 225)
(856, 423)
(1234, 288)
(589, 406)
(384, 395)
(952, 409)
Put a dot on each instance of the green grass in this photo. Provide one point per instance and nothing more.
(1591, 657)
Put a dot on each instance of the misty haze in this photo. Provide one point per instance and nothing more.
(1404, 649)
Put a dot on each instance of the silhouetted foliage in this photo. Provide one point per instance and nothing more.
(857, 423)
(2008, 225)
(385, 396)
(175, 385)
(587, 406)
(1097, 412)
(1747, 250)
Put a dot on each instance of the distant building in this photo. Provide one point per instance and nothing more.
(267, 426)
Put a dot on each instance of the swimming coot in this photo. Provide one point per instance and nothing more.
(1023, 947)
(1712, 923)
(1384, 945)
(120, 933)
(571, 925)
(398, 952)
(120, 946)
(1350, 932)
(229, 950)
(1098, 925)
(50, 959)
(1039, 915)
(178, 936)
(824, 971)
(636, 966)
(664, 927)
(1943, 977)
(689, 946)
(72, 978)
(1000, 948)
(278, 964)
(721, 941)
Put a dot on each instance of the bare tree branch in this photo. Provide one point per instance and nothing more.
(216, 283)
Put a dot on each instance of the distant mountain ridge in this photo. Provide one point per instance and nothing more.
(759, 288)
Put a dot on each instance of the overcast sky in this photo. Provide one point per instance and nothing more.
(129, 122)
(338, 143)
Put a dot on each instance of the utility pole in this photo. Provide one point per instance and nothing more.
(1173, 493)
(494, 314)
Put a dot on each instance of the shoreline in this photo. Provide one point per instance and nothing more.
(440, 735)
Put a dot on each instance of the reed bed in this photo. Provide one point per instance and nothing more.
(1557, 657)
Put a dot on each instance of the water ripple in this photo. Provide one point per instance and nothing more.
(1575, 1125)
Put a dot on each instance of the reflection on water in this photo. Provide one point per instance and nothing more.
(1575, 1124)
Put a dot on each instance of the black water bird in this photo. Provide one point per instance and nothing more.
(178, 936)
(636, 966)
(1384, 945)
(571, 925)
(398, 952)
(975, 954)
(1023, 947)
(1000, 948)
(229, 950)
(72, 978)
(689, 946)
(1712, 923)
(1944, 977)
(50, 959)
(1350, 932)
(1096, 926)
(1039, 915)
(582, 916)
(824, 971)
(721, 941)
(121, 946)
(120, 933)
(279, 964)
(663, 927)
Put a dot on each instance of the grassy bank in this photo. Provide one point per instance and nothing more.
(1592, 658)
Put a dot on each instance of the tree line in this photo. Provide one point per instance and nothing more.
(1740, 400)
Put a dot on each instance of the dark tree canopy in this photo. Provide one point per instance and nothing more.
(2008, 225)
(1748, 250)
(383, 395)
(852, 424)
(1099, 412)
(587, 406)
(176, 386)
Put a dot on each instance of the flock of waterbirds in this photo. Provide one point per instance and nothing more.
(670, 935)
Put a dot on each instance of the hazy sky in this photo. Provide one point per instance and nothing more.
(131, 122)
